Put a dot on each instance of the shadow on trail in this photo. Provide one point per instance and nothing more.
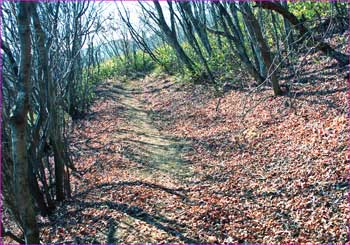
(109, 186)
(80, 208)
(156, 154)
(169, 226)
(167, 84)
(83, 207)
(122, 136)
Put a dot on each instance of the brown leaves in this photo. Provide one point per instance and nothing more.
(281, 182)
(262, 170)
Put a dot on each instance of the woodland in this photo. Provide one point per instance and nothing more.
(183, 122)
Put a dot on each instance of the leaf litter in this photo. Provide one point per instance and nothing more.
(157, 163)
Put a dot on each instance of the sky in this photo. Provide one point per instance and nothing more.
(134, 8)
(109, 15)
(112, 22)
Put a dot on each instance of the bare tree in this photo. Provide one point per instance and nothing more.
(343, 59)
(170, 34)
(18, 121)
(263, 47)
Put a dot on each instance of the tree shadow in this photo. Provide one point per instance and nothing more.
(150, 160)
(321, 92)
(80, 211)
(109, 186)
(169, 226)
(305, 75)
(329, 103)
(142, 91)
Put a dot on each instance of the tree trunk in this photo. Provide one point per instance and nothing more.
(171, 38)
(276, 36)
(241, 51)
(215, 20)
(202, 33)
(18, 122)
(55, 132)
(265, 50)
(256, 48)
(188, 30)
(287, 29)
(343, 59)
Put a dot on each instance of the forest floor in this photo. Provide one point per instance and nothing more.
(157, 163)
(132, 181)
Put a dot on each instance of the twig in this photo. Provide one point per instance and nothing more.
(9, 234)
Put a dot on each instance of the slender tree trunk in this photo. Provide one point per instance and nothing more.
(171, 38)
(202, 32)
(140, 40)
(241, 51)
(36, 193)
(187, 28)
(265, 50)
(256, 48)
(55, 131)
(59, 165)
(343, 59)
(277, 40)
(287, 28)
(18, 121)
(215, 19)
(236, 22)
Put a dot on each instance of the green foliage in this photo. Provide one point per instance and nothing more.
(309, 9)
(168, 59)
(136, 65)
(107, 69)
(223, 64)
(82, 93)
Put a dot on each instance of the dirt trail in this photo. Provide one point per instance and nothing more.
(135, 185)
(132, 181)
(157, 166)
(159, 155)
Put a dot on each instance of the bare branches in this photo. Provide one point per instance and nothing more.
(7, 50)
(322, 46)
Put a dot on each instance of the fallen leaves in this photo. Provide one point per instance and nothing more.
(282, 168)
(259, 170)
